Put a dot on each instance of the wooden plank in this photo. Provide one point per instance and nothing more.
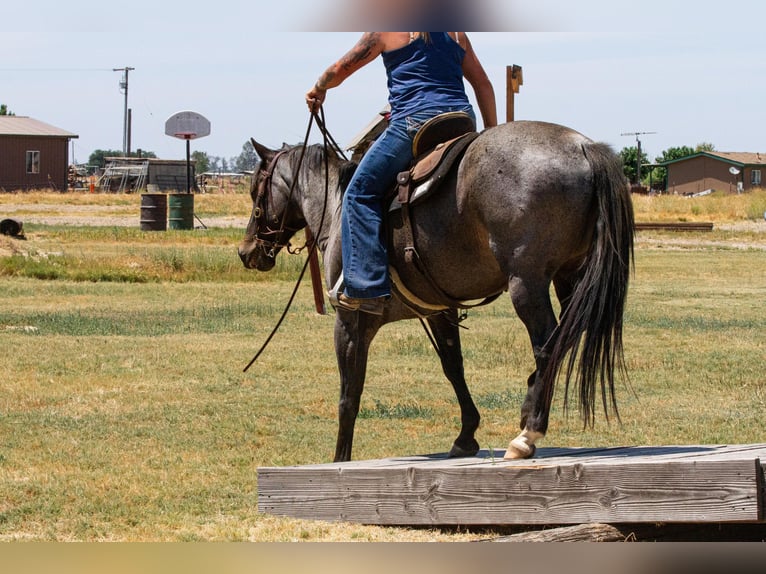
(578, 533)
(679, 532)
(435, 492)
(762, 489)
(675, 226)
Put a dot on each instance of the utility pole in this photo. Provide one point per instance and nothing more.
(125, 120)
(638, 158)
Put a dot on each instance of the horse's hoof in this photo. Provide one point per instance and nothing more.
(460, 452)
(516, 453)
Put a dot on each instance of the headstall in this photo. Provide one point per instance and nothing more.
(269, 247)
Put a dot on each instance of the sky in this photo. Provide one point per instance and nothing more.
(688, 71)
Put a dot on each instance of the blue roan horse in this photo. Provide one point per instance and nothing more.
(530, 203)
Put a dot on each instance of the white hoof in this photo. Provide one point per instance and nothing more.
(523, 446)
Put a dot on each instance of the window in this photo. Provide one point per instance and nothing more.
(33, 162)
(755, 177)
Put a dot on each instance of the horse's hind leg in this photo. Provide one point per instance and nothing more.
(533, 305)
(447, 336)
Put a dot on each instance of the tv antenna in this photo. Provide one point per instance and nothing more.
(638, 155)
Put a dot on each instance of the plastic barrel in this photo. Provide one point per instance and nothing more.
(181, 211)
(154, 212)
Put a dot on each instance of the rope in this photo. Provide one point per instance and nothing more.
(320, 123)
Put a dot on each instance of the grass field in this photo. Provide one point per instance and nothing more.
(125, 414)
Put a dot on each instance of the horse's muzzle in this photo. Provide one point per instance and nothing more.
(253, 257)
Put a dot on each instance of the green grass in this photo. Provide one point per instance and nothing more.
(125, 414)
(396, 411)
(121, 254)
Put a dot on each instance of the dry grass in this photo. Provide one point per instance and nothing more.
(100, 205)
(718, 207)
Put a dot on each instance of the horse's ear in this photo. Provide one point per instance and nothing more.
(263, 152)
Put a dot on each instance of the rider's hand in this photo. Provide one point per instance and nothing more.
(315, 97)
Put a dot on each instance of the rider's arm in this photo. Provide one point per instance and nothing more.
(369, 47)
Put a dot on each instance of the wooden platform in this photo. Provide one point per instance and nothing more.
(672, 484)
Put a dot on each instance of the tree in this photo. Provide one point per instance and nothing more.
(98, 157)
(201, 161)
(248, 159)
(630, 158)
(704, 146)
(4, 111)
(214, 163)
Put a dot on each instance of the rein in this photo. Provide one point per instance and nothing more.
(272, 245)
(310, 240)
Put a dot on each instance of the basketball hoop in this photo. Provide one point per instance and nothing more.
(187, 126)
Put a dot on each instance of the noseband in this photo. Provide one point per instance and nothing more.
(269, 246)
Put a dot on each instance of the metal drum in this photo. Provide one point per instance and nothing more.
(181, 211)
(154, 212)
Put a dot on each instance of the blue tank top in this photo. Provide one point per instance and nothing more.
(424, 75)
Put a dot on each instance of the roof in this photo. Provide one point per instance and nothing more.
(25, 126)
(371, 130)
(742, 158)
(739, 159)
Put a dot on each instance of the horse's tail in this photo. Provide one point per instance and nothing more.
(591, 324)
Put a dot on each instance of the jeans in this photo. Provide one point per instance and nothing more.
(363, 245)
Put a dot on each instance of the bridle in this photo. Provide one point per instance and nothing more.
(264, 191)
(269, 240)
(264, 195)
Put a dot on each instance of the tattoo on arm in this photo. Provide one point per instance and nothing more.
(367, 48)
(361, 53)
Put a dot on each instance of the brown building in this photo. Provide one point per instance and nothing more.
(33, 154)
(717, 171)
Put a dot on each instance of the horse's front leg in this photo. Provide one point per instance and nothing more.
(447, 336)
(353, 334)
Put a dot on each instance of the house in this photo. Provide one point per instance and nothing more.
(33, 154)
(717, 171)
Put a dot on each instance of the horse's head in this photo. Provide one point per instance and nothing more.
(276, 216)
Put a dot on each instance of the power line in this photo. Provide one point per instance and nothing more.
(47, 70)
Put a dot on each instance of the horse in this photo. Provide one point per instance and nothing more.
(530, 204)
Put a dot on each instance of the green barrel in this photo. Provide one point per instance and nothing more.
(154, 212)
(181, 211)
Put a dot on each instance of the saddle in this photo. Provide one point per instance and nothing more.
(439, 143)
(437, 147)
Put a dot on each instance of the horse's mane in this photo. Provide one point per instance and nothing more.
(314, 161)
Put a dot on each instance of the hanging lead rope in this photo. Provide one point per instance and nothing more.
(313, 247)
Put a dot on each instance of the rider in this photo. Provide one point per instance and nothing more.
(425, 78)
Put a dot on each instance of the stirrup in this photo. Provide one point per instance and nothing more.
(337, 289)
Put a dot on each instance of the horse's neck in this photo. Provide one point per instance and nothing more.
(322, 213)
(321, 207)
